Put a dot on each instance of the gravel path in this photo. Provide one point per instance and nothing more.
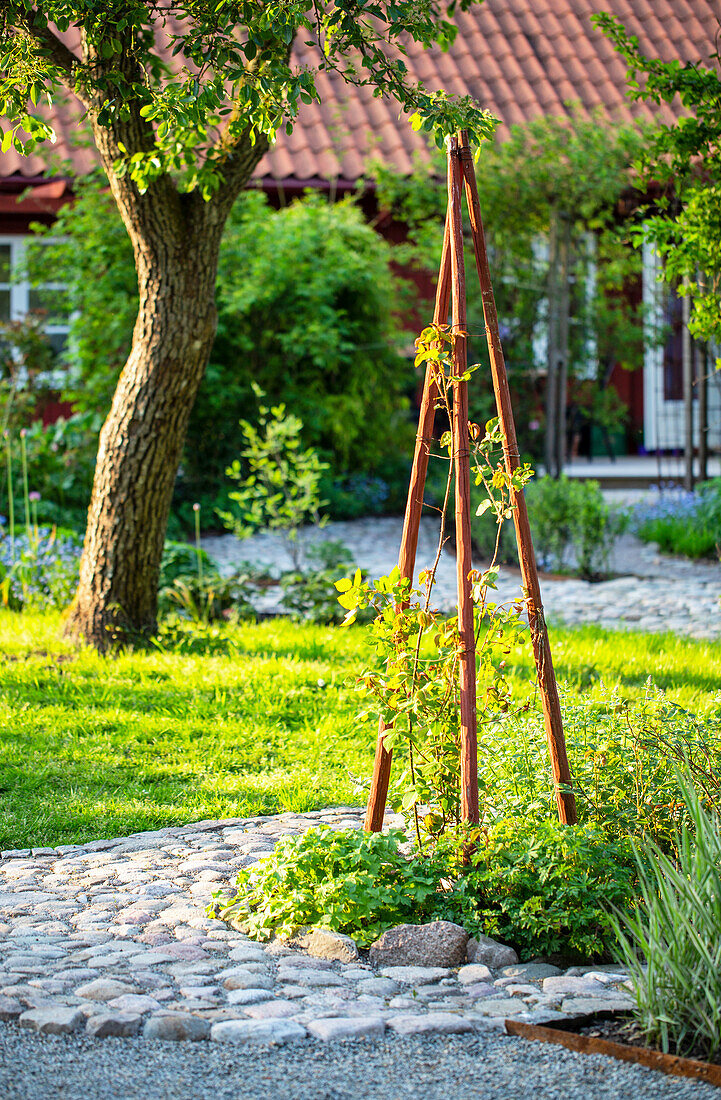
(655, 592)
(487, 1066)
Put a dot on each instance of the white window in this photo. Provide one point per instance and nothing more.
(18, 296)
(666, 353)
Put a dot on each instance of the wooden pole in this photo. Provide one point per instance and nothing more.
(702, 372)
(563, 321)
(539, 633)
(687, 345)
(409, 539)
(462, 468)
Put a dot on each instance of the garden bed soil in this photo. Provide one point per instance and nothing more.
(616, 1036)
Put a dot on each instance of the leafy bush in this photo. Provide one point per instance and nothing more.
(180, 559)
(622, 755)
(278, 483)
(208, 598)
(545, 888)
(309, 593)
(671, 944)
(573, 527)
(306, 302)
(681, 522)
(192, 588)
(279, 490)
(347, 880)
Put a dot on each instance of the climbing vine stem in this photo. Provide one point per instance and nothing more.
(412, 685)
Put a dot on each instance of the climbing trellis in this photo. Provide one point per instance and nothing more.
(451, 292)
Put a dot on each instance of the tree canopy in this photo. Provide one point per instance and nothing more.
(184, 98)
(181, 84)
(685, 156)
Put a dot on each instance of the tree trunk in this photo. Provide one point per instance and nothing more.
(142, 439)
(176, 238)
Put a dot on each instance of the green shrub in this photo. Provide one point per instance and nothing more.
(192, 588)
(622, 755)
(672, 943)
(180, 559)
(573, 527)
(61, 462)
(306, 304)
(208, 598)
(545, 888)
(277, 481)
(347, 880)
(309, 593)
(306, 307)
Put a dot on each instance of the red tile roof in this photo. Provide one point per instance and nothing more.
(518, 58)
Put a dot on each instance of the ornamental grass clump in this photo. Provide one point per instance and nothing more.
(671, 945)
(347, 881)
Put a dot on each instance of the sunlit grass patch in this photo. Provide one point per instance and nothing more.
(263, 721)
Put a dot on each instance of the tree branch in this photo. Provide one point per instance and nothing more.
(61, 56)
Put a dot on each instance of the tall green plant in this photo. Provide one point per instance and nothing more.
(573, 527)
(278, 482)
(347, 880)
(671, 944)
(414, 685)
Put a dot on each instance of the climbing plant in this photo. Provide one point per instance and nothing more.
(413, 684)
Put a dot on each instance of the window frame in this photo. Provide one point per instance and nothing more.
(20, 288)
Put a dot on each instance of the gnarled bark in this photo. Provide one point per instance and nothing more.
(141, 442)
(176, 238)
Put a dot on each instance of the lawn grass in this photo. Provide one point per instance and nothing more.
(261, 719)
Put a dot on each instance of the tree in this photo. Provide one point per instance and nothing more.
(558, 180)
(183, 99)
(685, 160)
(306, 303)
(685, 156)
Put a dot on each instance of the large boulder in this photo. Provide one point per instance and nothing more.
(440, 943)
(482, 949)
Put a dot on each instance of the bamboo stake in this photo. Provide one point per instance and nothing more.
(539, 634)
(411, 523)
(462, 467)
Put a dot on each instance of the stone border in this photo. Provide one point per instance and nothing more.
(112, 938)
